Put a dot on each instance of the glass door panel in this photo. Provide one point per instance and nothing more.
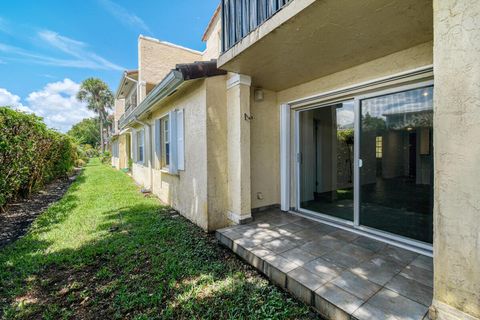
(396, 177)
(326, 138)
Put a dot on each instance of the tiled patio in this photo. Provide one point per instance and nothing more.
(342, 274)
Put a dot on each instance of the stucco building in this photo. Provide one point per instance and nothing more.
(357, 115)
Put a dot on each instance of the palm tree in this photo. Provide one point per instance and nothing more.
(99, 99)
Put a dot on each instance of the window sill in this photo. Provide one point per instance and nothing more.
(165, 170)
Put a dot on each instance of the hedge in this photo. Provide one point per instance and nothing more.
(30, 154)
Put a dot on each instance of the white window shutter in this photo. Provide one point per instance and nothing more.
(180, 140)
(172, 131)
(134, 146)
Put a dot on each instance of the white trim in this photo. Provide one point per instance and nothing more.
(285, 157)
(172, 141)
(426, 71)
(180, 139)
(356, 162)
(238, 79)
(413, 79)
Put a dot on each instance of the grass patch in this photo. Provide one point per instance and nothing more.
(106, 251)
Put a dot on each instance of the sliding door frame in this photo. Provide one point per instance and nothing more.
(418, 78)
(298, 164)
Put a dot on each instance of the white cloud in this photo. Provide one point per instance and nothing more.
(56, 103)
(124, 16)
(8, 99)
(78, 50)
(80, 55)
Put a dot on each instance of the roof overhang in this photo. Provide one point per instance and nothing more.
(309, 39)
(170, 84)
(127, 83)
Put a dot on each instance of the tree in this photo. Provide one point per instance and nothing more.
(99, 99)
(86, 131)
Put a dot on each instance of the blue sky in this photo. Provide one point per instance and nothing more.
(48, 47)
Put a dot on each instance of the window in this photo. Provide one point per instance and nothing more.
(141, 145)
(378, 147)
(169, 141)
(131, 100)
(165, 141)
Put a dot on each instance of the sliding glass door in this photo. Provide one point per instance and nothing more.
(396, 177)
(326, 160)
(368, 162)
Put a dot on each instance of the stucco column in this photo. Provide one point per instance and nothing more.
(141, 91)
(457, 159)
(238, 145)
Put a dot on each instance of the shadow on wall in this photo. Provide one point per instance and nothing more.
(141, 261)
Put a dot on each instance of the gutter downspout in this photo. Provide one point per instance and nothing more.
(149, 144)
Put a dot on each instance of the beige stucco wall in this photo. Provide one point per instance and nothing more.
(217, 174)
(156, 58)
(187, 191)
(200, 191)
(141, 175)
(265, 150)
(118, 111)
(409, 59)
(122, 152)
(457, 154)
(116, 162)
(212, 50)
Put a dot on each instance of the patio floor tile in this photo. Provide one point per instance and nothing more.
(324, 269)
(332, 242)
(316, 248)
(399, 255)
(423, 262)
(280, 245)
(344, 235)
(388, 304)
(339, 297)
(369, 243)
(281, 263)
(298, 256)
(412, 289)
(341, 274)
(305, 277)
(356, 285)
(418, 274)
(378, 270)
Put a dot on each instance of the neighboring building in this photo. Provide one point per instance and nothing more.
(360, 115)
(155, 60)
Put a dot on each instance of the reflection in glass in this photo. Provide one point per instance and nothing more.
(396, 192)
(326, 164)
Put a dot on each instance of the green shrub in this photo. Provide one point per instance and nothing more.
(30, 154)
(106, 157)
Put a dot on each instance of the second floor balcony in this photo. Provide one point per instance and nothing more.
(283, 43)
(240, 17)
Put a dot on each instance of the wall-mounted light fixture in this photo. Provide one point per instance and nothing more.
(258, 94)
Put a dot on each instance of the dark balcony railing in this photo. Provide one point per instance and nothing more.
(240, 17)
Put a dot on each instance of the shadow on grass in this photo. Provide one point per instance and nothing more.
(146, 264)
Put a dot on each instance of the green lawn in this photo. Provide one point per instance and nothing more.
(106, 251)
